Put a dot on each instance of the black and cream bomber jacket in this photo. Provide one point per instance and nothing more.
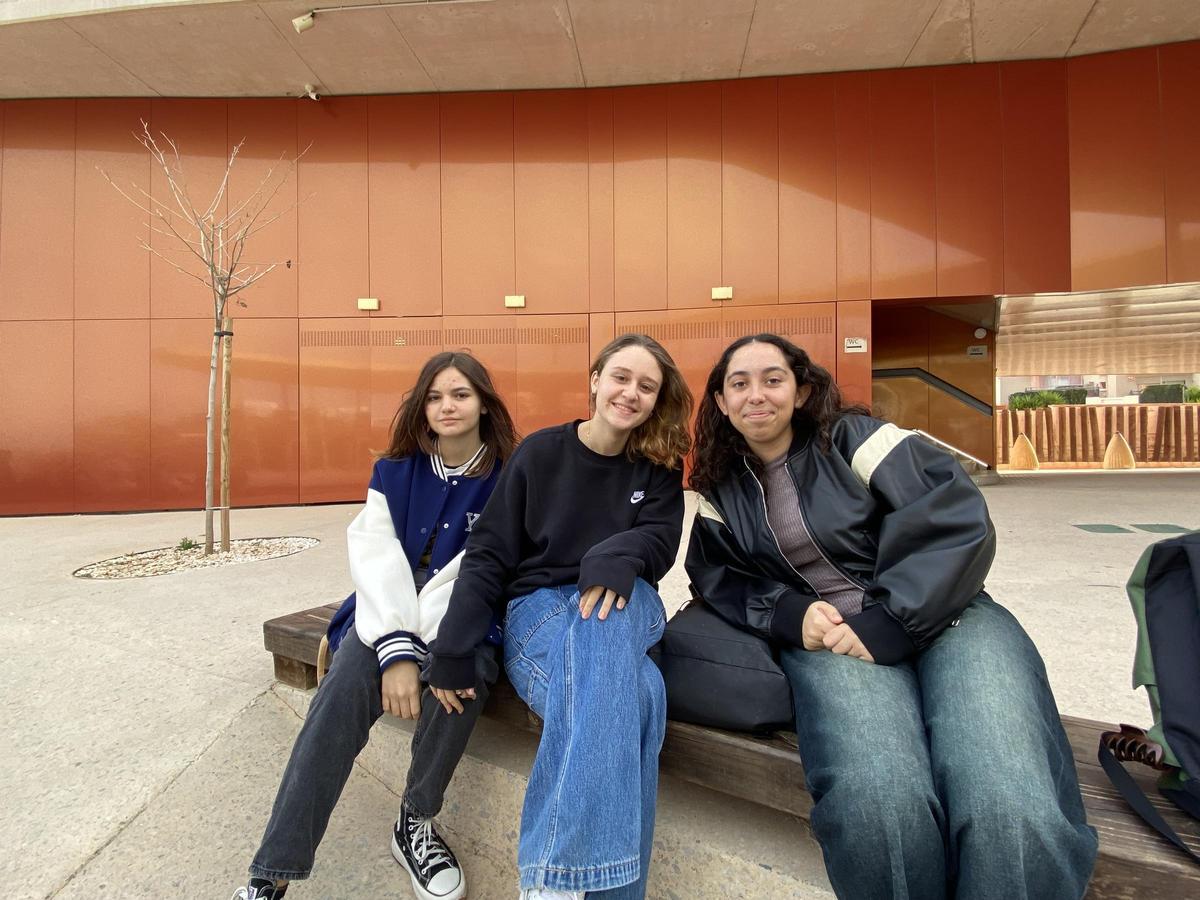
(894, 514)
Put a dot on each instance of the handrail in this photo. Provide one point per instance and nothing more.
(934, 382)
(952, 448)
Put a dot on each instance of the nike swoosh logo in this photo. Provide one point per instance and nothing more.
(637, 497)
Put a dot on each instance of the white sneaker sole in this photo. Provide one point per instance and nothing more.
(398, 856)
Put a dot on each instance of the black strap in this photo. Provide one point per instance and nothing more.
(1137, 798)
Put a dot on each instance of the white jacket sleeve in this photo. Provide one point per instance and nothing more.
(386, 615)
(435, 599)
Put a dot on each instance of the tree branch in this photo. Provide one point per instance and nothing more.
(146, 246)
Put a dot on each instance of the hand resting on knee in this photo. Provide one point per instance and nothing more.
(824, 629)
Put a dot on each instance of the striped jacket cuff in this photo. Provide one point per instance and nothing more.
(400, 645)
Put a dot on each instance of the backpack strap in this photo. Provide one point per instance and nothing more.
(1136, 797)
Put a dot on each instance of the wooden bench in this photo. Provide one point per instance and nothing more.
(1133, 861)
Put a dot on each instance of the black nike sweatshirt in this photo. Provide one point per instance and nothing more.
(560, 514)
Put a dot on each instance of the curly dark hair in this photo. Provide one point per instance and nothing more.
(718, 445)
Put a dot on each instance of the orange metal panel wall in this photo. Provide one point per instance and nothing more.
(750, 190)
(970, 186)
(948, 342)
(112, 271)
(1118, 226)
(550, 142)
(112, 414)
(267, 129)
(852, 137)
(853, 371)
(693, 337)
(693, 194)
(1179, 67)
(333, 239)
(901, 401)
(903, 239)
(1037, 201)
(405, 204)
(179, 373)
(600, 200)
(795, 191)
(640, 197)
(552, 370)
(335, 409)
(478, 240)
(198, 128)
(965, 428)
(907, 336)
(264, 415)
(36, 417)
(812, 326)
(602, 328)
(807, 189)
(490, 339)
(399, 348)
(901, 337)
(37, 210)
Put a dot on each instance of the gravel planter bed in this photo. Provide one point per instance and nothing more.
(167, 560)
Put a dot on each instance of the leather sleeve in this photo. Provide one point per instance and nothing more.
(734, 590)
(936, 540)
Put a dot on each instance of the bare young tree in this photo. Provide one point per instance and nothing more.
(216, 234)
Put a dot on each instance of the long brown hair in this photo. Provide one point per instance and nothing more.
(663, 438)
(719, 445)
(410, 427)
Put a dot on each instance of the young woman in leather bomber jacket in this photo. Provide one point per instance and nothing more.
(930, 739)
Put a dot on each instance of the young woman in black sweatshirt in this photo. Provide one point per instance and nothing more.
(585, 520)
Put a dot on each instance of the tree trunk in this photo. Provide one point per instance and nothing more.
(210, 447)
(226, 370)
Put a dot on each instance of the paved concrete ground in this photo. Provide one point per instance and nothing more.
(143, 740)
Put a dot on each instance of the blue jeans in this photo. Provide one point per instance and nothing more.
(336, 729)
(588, 821)
(946, 776)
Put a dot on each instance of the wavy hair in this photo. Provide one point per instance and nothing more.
(410, 426)
(663, 438)
(719, 445)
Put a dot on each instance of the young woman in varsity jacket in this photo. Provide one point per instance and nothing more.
(586, 519)
(930, 740)
(450, 437)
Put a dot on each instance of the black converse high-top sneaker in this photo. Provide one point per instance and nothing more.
(260, 889)
(435, 872)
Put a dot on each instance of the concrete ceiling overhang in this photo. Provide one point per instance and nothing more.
(239, 48)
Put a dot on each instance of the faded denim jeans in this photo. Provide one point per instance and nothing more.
(588, 820)
(336, 729)
(946, 776)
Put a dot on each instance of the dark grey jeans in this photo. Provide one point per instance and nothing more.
(338, 725)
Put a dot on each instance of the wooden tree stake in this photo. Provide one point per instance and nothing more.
(226, 382)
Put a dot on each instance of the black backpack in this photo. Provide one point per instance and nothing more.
(1164, 591)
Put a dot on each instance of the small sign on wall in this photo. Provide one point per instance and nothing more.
(977, 351)
(856, 345)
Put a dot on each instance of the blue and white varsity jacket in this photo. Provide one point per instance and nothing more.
(408, 501)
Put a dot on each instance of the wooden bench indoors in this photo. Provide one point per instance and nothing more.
(1133, 862)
